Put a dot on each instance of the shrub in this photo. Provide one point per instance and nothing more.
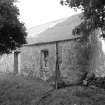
(98, 82)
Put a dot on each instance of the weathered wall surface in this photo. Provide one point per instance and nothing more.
(31, 56)
(68, 67)
(74, 59)
(31, 59)
(7, 63)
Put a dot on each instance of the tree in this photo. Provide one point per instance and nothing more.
(12, 31)
(93, 14)
(89, 56)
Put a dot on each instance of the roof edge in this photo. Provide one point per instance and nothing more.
(40, 43)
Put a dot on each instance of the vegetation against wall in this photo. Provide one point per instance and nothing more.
(90, 57)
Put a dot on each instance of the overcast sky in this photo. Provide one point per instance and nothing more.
(36, 12)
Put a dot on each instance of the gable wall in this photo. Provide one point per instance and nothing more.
(7, 63)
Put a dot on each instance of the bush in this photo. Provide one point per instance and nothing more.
(98, 82)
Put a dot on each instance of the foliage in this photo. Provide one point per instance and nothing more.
(12, 31)
(89, 56)
(93, 14)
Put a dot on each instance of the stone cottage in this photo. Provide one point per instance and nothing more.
(41, 56)
(53, 49)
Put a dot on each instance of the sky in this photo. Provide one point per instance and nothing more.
(36, 12)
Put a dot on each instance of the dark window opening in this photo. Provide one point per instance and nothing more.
(44, 60)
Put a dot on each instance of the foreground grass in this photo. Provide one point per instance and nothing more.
(75, 95)
(16, 90)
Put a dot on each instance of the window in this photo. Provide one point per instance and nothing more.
(44, 58)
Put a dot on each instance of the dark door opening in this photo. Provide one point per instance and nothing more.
(44, 64)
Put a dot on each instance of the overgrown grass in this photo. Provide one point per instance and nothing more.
(16, 90)
(75, 95)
